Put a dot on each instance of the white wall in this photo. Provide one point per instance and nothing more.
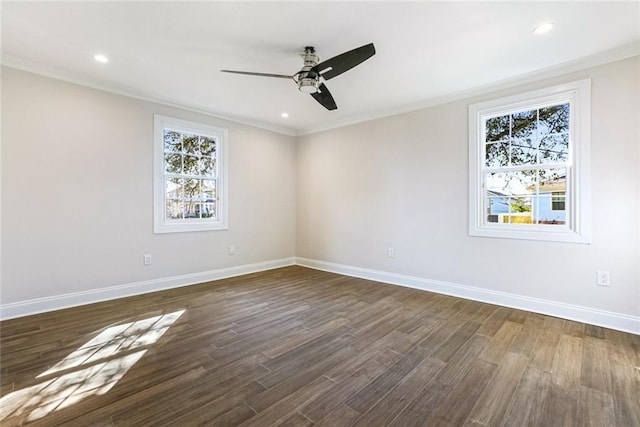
(402, 182)
(77, 193)
(77, 198)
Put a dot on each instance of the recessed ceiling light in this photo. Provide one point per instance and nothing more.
(101, 58)
(284, 115)
(543, 28)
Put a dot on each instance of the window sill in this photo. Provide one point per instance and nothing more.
(566, 236)
(189, 227)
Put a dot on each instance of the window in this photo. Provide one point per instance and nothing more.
(529, 160)
(190, 192)
(557, 201)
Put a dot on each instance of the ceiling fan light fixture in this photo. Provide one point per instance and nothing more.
(308, 85)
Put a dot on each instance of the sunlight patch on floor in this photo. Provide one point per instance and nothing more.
(92, 369)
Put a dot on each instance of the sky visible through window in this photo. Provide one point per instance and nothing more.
(526, 156)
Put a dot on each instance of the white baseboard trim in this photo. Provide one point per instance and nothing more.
(57, 302)
(607, 319)
(621, 322)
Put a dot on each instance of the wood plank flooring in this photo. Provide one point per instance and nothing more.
(300, 347)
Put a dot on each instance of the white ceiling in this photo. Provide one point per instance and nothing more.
(173, 51)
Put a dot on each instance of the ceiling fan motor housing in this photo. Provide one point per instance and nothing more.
(309, 57)
(306, 83)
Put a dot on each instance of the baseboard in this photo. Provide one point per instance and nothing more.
(41, 305)
(621, 322)
(588, 315)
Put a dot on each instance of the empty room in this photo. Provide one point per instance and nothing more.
(320, 213)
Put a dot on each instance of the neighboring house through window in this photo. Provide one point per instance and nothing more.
(190, 191)
(529, 165)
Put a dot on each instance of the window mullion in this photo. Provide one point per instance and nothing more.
(178, 175)
(519, 168)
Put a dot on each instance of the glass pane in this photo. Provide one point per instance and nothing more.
(524, 124)
(208, 190)
(207, 146)
(497, 129)
(546, 215)
(554, 148)
(190, 144)
(523, 151)
(172, 141)
(173, 163)
(174, 209)
(191, 165)
(497, 184)
(192, 189)
(523, 183)
(208, 166)
(173, 188)
(208, 210)
(552, 197)
(553, 179)
(497, 154)
(495, 206)
(554, 119)
(191, 210)
(520, 209)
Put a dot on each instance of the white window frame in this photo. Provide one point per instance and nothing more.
(160, 223)
(578, 198)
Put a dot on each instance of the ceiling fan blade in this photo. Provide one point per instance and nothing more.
(249, 73)
(344, 62)
(323, 96)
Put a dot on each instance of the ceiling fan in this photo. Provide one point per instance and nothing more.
(310, 79)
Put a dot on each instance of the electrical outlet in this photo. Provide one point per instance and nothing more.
(232, 249)
(391, 252)
(603, 278)
(148, 260)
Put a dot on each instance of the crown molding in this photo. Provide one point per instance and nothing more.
(605, 57)
(54, 73)
(612, 55)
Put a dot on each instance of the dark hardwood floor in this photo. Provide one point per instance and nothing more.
(300, 347)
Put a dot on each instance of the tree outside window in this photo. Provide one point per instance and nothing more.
(189, 176)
